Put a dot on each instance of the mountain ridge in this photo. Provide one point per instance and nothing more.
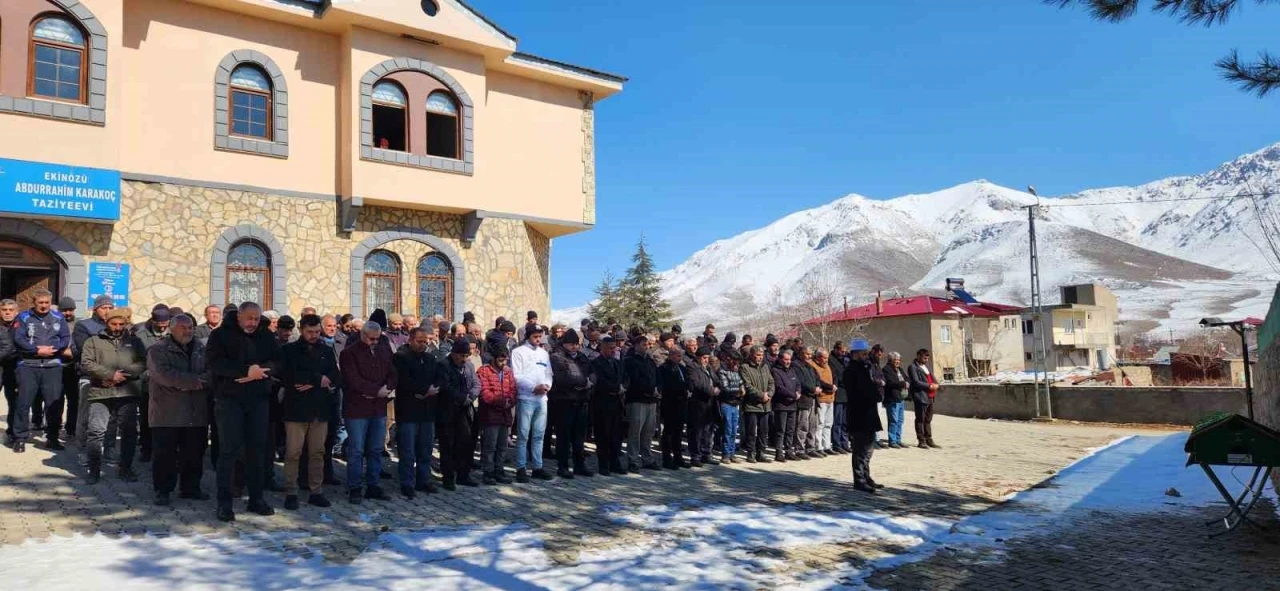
(1171, 249)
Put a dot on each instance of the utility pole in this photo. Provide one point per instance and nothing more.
(1040, 357)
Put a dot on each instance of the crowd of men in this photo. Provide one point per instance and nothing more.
(257, 387)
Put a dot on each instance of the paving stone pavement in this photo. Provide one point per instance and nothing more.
(1100, 550)
(43, 494)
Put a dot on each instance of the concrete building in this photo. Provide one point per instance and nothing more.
(967, 339)
(1085, 329)
(386, 153)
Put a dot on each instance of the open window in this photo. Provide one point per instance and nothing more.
(443, 131)
(390, 117)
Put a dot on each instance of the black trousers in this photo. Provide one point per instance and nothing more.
(784, 434)
(144, 424)
(864, 444)
(571, 420)
(606, 420)
(36, 386)
(755, 433)
(70, 402)
(698, 429)
(549, 439)
(213, 435)
(273, 437)
(457, 444)
(242, 434)
(9, 379)
(178, 458)
(673, 420)
(924, 420)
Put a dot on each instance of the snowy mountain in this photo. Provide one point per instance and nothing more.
(1173, 250)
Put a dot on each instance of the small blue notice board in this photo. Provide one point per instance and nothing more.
(109, 279)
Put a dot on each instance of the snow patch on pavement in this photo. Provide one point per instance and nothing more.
(690, 545)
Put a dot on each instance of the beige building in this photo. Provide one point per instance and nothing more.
(387, 154)
(1085, 329)
(966, 339)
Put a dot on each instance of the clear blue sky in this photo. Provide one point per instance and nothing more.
(740, 112)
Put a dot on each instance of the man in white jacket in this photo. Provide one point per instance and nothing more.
(532, 368)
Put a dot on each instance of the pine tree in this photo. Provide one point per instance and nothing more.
(640, 293)
(607, 304)
(1259, 77)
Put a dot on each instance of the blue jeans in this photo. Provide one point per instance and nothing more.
(894, 411)
(416, 442)
(730, 413)
(531, 424)
(365, 440)
(337, 438)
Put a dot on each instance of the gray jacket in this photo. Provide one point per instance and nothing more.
(179, 391)
(918, 384)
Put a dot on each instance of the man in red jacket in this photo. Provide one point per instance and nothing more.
(497, 413)
(368, 380)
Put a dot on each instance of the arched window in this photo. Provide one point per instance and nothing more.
(57, 60)
(390, 117)
(251, 103)
(435, 286)
(381, 282)
(442, 125)
(249, 274)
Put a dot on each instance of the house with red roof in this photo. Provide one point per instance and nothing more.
(968, 338)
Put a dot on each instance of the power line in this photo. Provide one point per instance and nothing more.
(1055, 204)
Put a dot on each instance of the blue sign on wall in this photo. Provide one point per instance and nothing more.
(109, 279)
(57, 190)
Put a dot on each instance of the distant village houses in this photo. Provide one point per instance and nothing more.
(971, 338)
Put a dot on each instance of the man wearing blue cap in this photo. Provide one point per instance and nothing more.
(865, 387)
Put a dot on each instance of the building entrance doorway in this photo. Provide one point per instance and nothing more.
(25, 269)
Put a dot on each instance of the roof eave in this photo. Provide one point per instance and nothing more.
(601, 84)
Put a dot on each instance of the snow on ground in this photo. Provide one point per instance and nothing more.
(1011, 377)
(693, 546)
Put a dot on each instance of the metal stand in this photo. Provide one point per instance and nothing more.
(1238, 515)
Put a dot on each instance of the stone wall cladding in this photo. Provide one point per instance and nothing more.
(588, 157)
(167, 233)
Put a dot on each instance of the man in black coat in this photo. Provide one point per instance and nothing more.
(571, 387)
(786, 395)
(308, 375)
(702, 408)
(336, 341)
(673, 382)
(642, 398)
(417, 395)
(455, 416)
(865, 385)
(607, 407)
(240, 358)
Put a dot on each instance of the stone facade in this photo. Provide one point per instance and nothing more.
(588, 157)
(167, 234)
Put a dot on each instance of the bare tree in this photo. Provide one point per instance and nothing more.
(1203, 353)
(1269, 223)
(985, 344)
